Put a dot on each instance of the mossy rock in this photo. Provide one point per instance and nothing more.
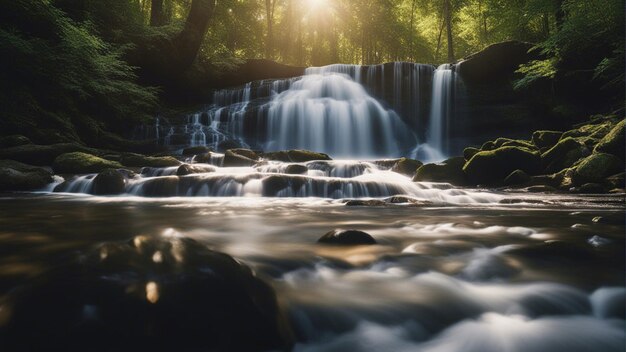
(300, 156)
(16, 176)
(593, 130)
(449, 171)
(546, 139)
(82, 163)
(519, 143)
(469, 152)
(239, 158)
(296, 169)
(187, 169)
(406, 166)
(14, 141)
(596, 168)
(195, 150)
(108, 182)
(617, 181)
(592, 188)
(489, 167)
(613, 142)
(43, 155)
(517, 177)
(489, 145)
(563, 155)
(228, 144)
(277, 156)
(138, 160)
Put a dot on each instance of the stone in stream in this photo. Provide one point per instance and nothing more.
(406, 166)
(613, 142)
(450, 171)
(195, 150)
(138, 160)
(187, 169)
(296, 169)
(82, 163)
(596, 168)
(517, 177)
(240, 157)
(16, 176)
(108, 182)
(493, 166)
(347, 238)
(146, 294)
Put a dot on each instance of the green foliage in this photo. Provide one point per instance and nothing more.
(60, 72)
(535, 70)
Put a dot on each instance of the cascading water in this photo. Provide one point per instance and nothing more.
(441, 107)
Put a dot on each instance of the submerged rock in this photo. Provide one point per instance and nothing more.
(450, 171)
(347, 238)
(109, 181)
(488, 167)
(82, 163)
(406, 166)
(147, 294)
(596, 168)
(138, 160)
(16, 176)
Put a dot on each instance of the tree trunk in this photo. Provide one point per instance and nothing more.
(189, 40)
(447, 11)
(269, 14)
(559, 14)
(157, 15)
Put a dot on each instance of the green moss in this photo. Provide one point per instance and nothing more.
(596, 168)
(450, 171)
(406, 166)
(299, 156)
(16, 176)
(563, 155)
(613, 142)
(517, 177)
(138, 160)
(82, 163)
(41, 154)
(469, 152)
(489, 167)
(546, 139)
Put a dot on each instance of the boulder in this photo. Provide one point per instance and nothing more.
(204, 158)
(274, 184)
(489, 167)
(16, 176)
(517, 177)
(347, 238)
(295, 156)
(187, 169)
(109, 181)
(277, 156)
(237, 158)
(14, 141)
(138, 160)
(296, 169)
(563, 155)
(469, 152)
(250, 154)
(43, 155)
(146, 294)
(82, 163)
(616, 181)
(592, 188)
(406, 166)
(195, 150)
(518, 143)
(613, 142)
(546, 139)
(596, 168)
(365, 203)
(450, 171)
(495, 61)
(488, 145)
(228, 144)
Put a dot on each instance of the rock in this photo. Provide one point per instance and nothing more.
(596, 168)
(519, 143)
(488, 167)
(592, 188)
(82, 163)
(138, 160)
(239, 157)
(296, 169)
(187, 169)
(540, 189)
(109, 181)
(496, 60)
(517, 177)
(14, 141)
(300, 156)
(616, 181)
(365, 203)
(204, 158)
(546, 139)
(489, 145)
(469, 152)
(273, 184)
(347, 238)
(613, 142)
(43, 155)
(16, 176)
(618, 218)
(150, 293)
(386, 163)
(450, 171)
(228, 144)
(563, 155)
(195, 150)
(406, 166)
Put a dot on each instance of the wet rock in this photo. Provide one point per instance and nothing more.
(385, 163)
(611, 219)
(195, 150)
(540, 189)
(488, 167)
(149, 294)
(43, 155)
(546, 139)
(16, 176)
(239, 157)
(616, 181)
(296, 169)
(273, 184)
(82, 163)
(14, 141)
(450, 171)
(517, 177)
(347, 238)
(300, 156)
(406, 166)
(138, 160)
(596, 168)
(204, 158)
(613, 142)
(109, 181)
(228, 144)
(366, 203)
(563, 155)
(277, 156)
(592, 188)
(187, 169)
(469, 152)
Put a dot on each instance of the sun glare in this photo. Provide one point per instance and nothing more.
(317, 6)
